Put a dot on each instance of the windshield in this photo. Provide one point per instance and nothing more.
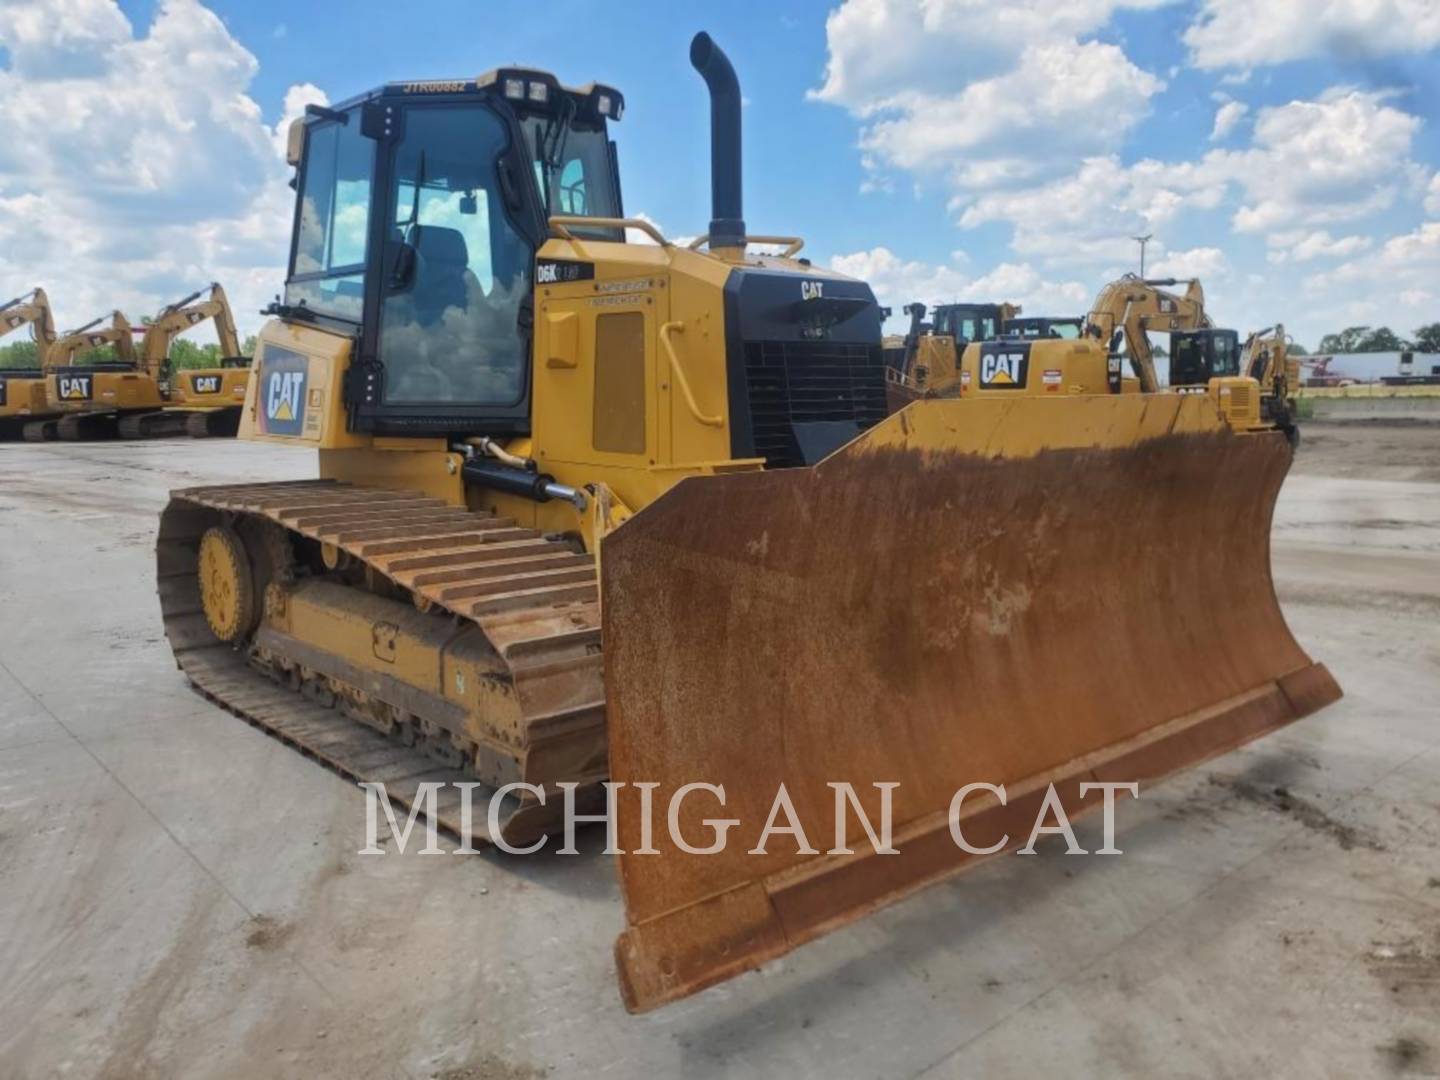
(573, 170)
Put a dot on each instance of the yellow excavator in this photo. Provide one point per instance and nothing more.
(22, 388)
(1265, 357)
(200, 402)
(592, 509)
(84, 396)
(88, 396)
(1204, 359)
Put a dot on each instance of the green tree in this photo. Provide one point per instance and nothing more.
(1345, 341)
(1427, 338)
(1383, 340)
(1296, 349)
(1363, 339)
(186, 354)
(18, 354)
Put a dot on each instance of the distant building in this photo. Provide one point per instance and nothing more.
(1391, 368)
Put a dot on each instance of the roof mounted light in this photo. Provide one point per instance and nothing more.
(604, 104)
(515, 89)
(539, 93)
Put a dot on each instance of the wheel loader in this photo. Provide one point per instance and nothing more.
(86, 397)
(199, 402)
(22, 388)
(593, 509)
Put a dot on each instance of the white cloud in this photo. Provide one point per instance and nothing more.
(1302, 246)
(881, 49)
(1337, 158)
(50, 39)
(898, 281)
(1244, 34)
(1206, 263)
(1432, 197)
(1061, 98)
(1227, 116)
(136, 167)
(1090, 216)
(1023, 78)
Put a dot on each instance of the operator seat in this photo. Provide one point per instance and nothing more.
(442, 273)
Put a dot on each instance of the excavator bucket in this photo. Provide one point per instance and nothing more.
(1024, 593)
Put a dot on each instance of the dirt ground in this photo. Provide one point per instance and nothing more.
(181, 895)
(1372, 451)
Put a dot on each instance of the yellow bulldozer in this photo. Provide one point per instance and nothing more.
(22, 387)
(592, 509)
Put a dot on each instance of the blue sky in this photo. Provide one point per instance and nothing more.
(1286, 153)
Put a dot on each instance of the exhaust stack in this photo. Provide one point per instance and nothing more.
(727, 218)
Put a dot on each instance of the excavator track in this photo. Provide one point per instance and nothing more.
(512, 613)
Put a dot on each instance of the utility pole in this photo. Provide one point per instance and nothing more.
(1142, 241)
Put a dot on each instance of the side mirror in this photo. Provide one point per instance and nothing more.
(468, 203)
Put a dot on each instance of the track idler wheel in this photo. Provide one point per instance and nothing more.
(227, 585)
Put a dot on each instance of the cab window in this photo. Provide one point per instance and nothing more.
(327, 266)
(573, 171)
(449, 322)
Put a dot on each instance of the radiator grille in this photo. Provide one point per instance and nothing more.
(794, 382)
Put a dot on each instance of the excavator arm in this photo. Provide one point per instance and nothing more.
(31, 309)
(1132, 305)
(175, 319)
(92, 336)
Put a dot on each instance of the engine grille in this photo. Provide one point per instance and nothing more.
(799, 382)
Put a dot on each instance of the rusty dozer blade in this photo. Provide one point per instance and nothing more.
(1016, 592)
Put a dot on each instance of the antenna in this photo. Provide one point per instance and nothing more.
(1142, 241)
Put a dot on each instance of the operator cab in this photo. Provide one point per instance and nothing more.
(1197, 356)
(969, 322)
(421, 207)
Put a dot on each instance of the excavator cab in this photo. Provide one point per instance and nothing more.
(1197, 356)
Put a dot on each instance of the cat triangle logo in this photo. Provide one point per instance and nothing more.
(1003, 378)
(284, 412)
